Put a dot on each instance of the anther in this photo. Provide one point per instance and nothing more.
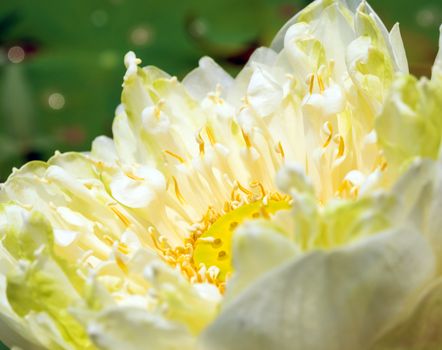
(246, 138)
(243, 189)
(133, 176)
(311, 84)
(177, 190)
(327, 128)
(321, 84)
(210, 134)
(121, 264)
(123, 248)
(108, 240)
(341, 145)
(200, 142)
(260, 186)
(176, 156)
(280, 150)
(120, 215)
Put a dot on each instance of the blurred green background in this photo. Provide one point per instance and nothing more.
(61, 62)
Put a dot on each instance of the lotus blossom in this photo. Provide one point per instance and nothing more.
(296, 206)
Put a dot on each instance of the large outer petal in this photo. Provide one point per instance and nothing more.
(336, 300)
(419, 330)
(418, 325)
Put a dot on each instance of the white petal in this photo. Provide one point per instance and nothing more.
(205, 79)
(131, 328)
(138, 193)
(399, 49)
(103, 148)
(264, 94)
(437, 67)
(154, 121)
(65, 238)
(341, 298)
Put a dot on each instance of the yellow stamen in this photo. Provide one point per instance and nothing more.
(260, 186)
(321, 84)
(243, 189)
(176, 156)
(123, 248)
(177, 190)
(280, 150)
(155, 241)
(120, 215)
(341, 145)
(347, 190)
(381, 162)
(209, 240)
(108, 240)
(205, 256)
(311, 84)
(246, 138)
(157, 109)
(133, 176)
(121, 264)
(210, 134)
(328, 128)
(200, 141)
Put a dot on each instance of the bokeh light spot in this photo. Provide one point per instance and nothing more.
(16, 54)
(141, 35)
(56, 101)
(428, 17)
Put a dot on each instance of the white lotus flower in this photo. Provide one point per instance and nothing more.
(293, 207)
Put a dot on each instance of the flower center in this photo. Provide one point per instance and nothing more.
(214, 246)
(206, 255)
